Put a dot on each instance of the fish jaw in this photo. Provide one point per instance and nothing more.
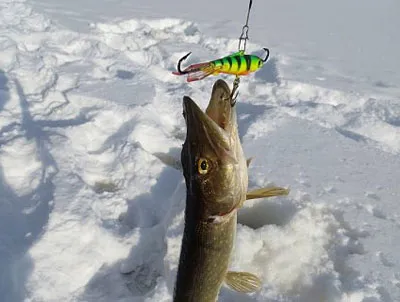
(203, 130)
(212, 136)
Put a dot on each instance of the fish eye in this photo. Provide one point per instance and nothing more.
(203, 166)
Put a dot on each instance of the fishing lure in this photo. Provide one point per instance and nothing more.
(237, 64)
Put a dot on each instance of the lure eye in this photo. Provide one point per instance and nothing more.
(203, 166)
(259, 63)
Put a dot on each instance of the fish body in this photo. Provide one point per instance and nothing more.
(215, 172)
(204, 261)
(216, 179)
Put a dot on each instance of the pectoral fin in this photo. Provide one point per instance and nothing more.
(169, 160)
(248, 161)
(267, 192)
(243, 282)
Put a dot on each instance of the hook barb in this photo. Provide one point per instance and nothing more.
(267, 54)
(180, 62)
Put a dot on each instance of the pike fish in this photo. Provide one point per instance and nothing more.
(215, 172)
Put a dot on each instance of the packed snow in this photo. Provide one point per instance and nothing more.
(90, 114)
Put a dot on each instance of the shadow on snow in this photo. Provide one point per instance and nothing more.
(23, 218)
(136, 276)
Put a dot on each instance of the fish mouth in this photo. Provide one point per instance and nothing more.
(214, 126)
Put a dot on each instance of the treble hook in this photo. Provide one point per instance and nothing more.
(267, 55)
(180, 61)
(234, 92)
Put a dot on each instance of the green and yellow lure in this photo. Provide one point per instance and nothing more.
(237, 64)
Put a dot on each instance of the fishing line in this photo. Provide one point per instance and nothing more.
(245, 31)
(242, 49)
(238, 63)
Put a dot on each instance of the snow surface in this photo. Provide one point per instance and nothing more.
(88, 107)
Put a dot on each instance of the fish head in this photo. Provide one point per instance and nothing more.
(212, 158)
